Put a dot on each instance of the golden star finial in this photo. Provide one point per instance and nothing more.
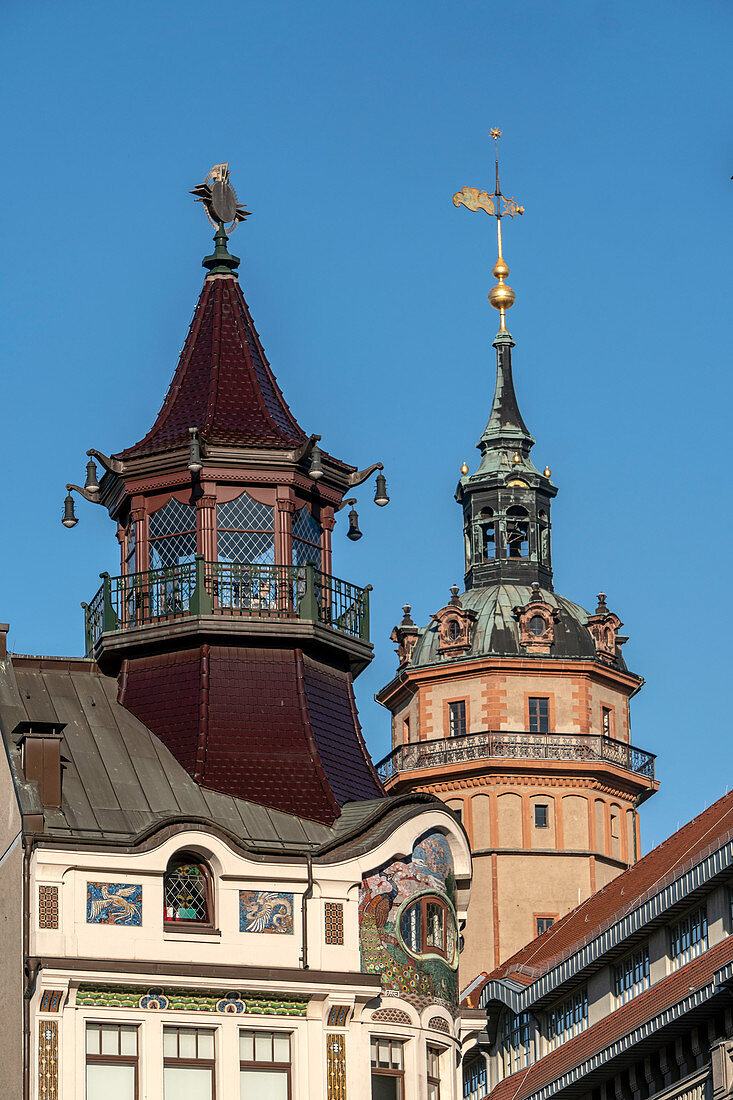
(501, 296)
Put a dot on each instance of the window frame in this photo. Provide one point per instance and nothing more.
(461, 721)
(566, 1011)
(180, 924)
(272, 1065)
(694, 949)
(383, 1071)
(551, 917)
(624, 990)
(423, 900)
(433, 1054)
(538, 718)
(191, 1063)
(517, 1042)
(112, 1059)
(545, 807)
(475, 1058)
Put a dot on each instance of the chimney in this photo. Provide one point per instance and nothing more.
(4, 628)
(40, 743)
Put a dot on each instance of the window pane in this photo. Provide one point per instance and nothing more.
(110, 1040)
(187, 1043)
(170, 1046)
(246, 1046)
(383, 1058)
(263, 1084)
(128, 1040)
(187, 1083)
(435, 925)
(263, 1046)
(92, 1039)
(206, 1044)
(110, 1082)
(396, 1055)
(282, 1048)
(386, 1088)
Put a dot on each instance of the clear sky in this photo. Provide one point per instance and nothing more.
(348, 127)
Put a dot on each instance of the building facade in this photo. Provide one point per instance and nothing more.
(204, 890)
(512, 703)
(629, 997)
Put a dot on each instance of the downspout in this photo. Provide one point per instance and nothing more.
(308, 894)
(30, 968)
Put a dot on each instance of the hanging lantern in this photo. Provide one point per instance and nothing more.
(69, 518)
(353, 532)
(316, 468)
(380, 494)
(91, 484)
(195, 464)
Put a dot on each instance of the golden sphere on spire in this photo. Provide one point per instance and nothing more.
(502, 296)
(501, 269)
(464, 468)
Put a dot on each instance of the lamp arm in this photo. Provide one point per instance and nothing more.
(349, 500)
(93, 498)
(113, 465)
(360, 476)
(305, 448)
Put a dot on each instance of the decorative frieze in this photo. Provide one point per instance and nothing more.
(391, 1016)
(51, 1000)
(157, 998)
(338, 1015)
(438, 1023)
(335, 1066)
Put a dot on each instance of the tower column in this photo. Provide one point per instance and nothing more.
(284, 531)
(206, 526)
(328, 522)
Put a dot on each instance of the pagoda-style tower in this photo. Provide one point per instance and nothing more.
(232, 640)
(512, 703)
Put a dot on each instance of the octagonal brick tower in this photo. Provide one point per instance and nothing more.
(512, 705)
(230, 637)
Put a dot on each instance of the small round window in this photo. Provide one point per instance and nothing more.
(427, 927)
(537, 625)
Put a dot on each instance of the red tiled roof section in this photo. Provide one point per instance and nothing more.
(223, 384)
(582, 923)
(267, 725)
(672, 989)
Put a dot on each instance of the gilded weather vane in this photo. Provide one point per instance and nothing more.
(220, 199)
(498, 205)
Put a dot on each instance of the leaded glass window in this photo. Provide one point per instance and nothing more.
(306, 539)
(186, 888)
(172, 533)
(427, 928)
(246, 531)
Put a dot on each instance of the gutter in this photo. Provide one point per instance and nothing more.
(30, 968)
(307, 895)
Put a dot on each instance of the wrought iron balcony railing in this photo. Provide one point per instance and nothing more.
(515, 746)
(235, 589)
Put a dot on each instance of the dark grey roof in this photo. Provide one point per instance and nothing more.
(120, 782)
(496, 631)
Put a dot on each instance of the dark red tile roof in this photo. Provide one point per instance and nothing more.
(223, 384)
(665, 862)
(268, 725)
(664, 994)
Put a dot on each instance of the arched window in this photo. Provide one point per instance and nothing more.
(187, 891)
(517, 532)
(306, 539)
(172, 534)
(454, 630)
(246, 531)
(487, 534)
(427, 927)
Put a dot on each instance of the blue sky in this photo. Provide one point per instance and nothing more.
(348, 128)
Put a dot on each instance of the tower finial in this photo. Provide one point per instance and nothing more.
(501, 296)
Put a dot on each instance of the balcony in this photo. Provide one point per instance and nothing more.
(225, 589)
(580, 748)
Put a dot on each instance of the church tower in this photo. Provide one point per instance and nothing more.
(512, 703)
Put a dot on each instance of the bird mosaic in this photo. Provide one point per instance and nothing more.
(112, 903)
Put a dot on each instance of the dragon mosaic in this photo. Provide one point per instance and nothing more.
(265, 911)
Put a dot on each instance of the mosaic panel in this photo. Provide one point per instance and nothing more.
(266, 911)
(338, 1015)
(48, 1060)
(333, 920)
(189, 1000)
(51, 1000)
(114, 903)
(48, 906)
(421, 981)
(336, 1066)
